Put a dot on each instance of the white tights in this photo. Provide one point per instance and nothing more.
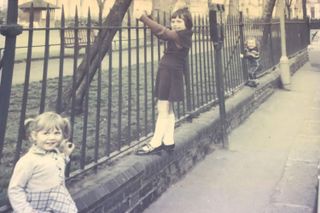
(164, 129)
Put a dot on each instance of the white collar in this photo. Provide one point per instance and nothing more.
(37, 150)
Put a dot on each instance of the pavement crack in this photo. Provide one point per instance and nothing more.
(310, 162)
(292, 205)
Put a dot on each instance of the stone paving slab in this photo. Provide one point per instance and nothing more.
(297, 186)
(285, 208)
(271, 165)
(308, 151)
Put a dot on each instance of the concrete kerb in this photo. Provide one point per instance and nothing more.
(132, 182)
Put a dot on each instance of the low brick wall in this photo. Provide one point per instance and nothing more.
(298, 60)
(131, 183)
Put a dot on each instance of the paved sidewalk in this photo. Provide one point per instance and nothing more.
(271, 165)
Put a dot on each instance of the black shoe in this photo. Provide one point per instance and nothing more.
(252, 83)
(148, 149)
(168, 148)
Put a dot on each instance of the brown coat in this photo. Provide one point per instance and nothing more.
(169, 82)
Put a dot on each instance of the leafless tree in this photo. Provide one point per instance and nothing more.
(267, 18)
(304, 9)
(101, 4)
(268, 10)
(92, 59)
(288, 4)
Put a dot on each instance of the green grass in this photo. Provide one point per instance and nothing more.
(119, 135)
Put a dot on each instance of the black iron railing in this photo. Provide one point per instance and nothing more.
(118, 109)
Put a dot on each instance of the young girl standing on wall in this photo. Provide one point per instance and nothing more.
(38, 181)
(169, 82)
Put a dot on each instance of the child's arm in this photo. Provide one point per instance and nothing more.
(66, 147)
(16, 190)
(255, 54)
(160, 31)
(251, 54)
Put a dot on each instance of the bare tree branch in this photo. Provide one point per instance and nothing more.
(96, 54)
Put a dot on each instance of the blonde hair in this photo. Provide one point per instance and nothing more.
(252, 39)
(46, 121)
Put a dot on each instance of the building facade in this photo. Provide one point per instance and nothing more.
(81, 5)
(39, 11)
(313, 9)
(3, 4)
(250, 8)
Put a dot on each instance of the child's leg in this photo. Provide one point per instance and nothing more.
(161, 124)
(168, 138)
(250, 67)
(258, 68)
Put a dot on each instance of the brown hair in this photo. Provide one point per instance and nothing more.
(185, 14)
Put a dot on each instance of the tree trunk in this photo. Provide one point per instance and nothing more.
(288, 7)
(268, 10)
(97, 52)
(101, 4)
(267, 18)
(304, 9)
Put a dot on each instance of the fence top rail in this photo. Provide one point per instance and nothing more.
(69, 37)
(84, 27)
(295, 21)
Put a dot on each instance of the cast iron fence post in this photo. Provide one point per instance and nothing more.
(10, 31)
(216, 34)
(307, 20)
(188, 90)
(243, 61)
